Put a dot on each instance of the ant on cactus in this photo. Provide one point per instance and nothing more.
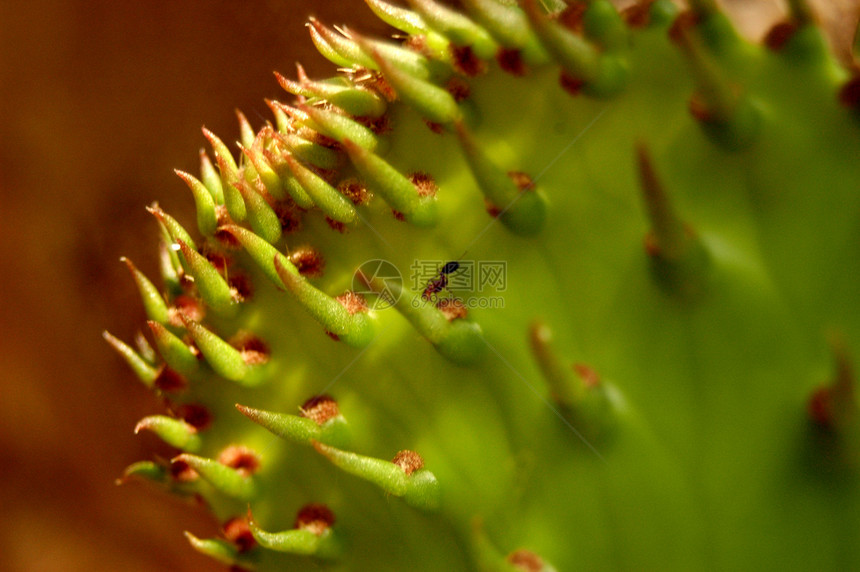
(440, 281)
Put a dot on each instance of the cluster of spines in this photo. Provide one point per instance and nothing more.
(338, 126)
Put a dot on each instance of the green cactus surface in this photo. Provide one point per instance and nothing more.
(528, 287)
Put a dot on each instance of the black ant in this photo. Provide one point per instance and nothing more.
(440, 281)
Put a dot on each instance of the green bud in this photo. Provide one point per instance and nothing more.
(312, 536)
(338, 48)
(331, 202)
(311, 153)
(174, 432)
(213, 289)
(234, 483)
(229, 175)
(269, 177)
(147, 470)
(260, 250)
(521, 210)
(171, 226)
(330, 429)
(432, 102)
(217, 549)
(404, 477)
(398, 191)
(246, 132)
(173, 350)
(510, 27)
(203, 201)
(153, 301)
(348, 322)
(460, 341)
(455, 26)
(144, 370)
(211, 179)
(224, 359)
(260, 215)
(340, 127)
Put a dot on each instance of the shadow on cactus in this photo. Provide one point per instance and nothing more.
(532, 289)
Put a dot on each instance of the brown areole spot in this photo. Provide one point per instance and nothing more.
(452, 308)
(436, 128)
(570, 84)
(526, 560)
(237, 531)
(170, 381)
(336, 225)
(379, 125)
(652, 249)
(416, 43)
(522, 180)
(780, 34)
(820, 408)
(590, 378)
(318, 138)
(493, 210)
(181, 472)
(700, 109)
(240, 458)
(355, 191)
(638, 15)
(320, 409)
(424, 184)
(288, 215)
(833, 406)
(378, 82)
(680, 28)
(409, 461)
(511, 61)
(849, 94)
(226, 239)
(254, 350)
(314, 517)
(196, 415)
(572, 17)
(241, 288)
(458, 88)
(466, 62)
(353, 302)
(218, 259)
(308, 261)
(187, 305)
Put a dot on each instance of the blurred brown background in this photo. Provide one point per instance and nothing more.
(99, 101)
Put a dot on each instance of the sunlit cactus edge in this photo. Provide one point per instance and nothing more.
(530, 287)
